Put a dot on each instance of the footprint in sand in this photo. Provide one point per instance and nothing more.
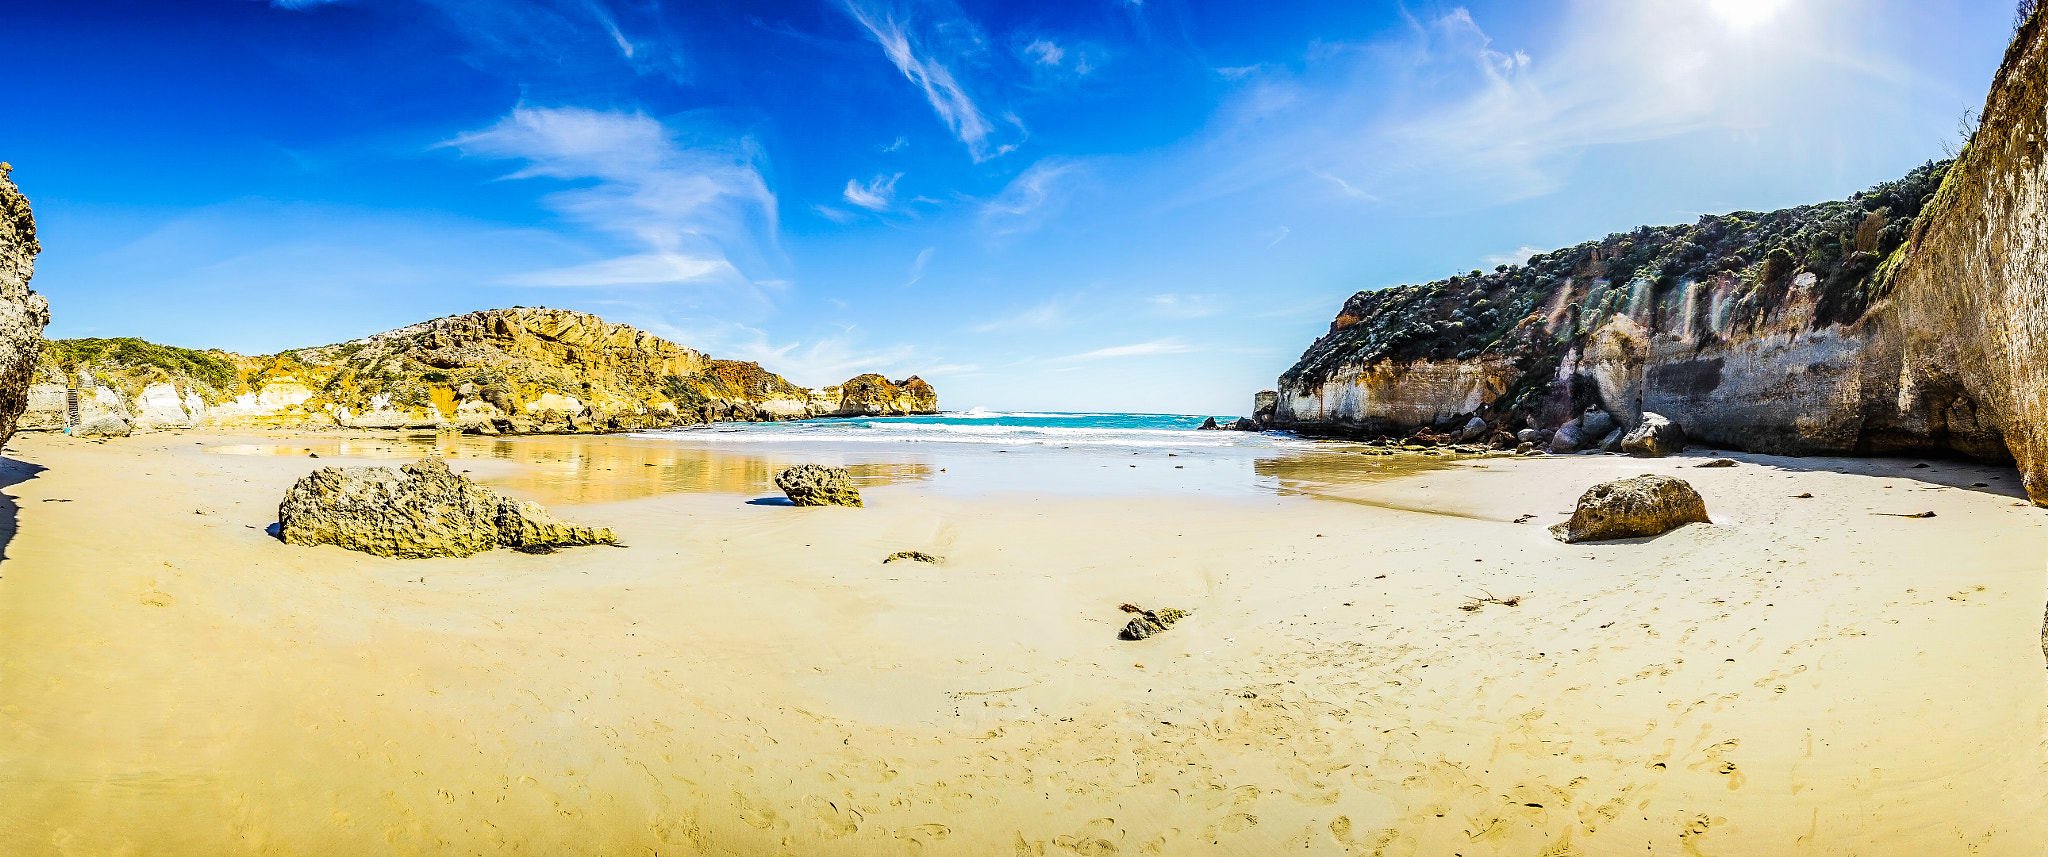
(837, 822)
(924, 834)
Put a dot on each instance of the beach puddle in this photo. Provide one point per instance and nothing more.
(584, 469)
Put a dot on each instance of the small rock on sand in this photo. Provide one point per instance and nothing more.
(818, 485)
(1631, 508)
(919, 556)
(1145, 622)
(1718, 462)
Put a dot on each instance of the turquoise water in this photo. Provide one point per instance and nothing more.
(995, 428)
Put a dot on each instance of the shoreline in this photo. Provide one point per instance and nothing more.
(1802, 675)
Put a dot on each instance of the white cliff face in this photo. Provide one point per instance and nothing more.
(1379, 398)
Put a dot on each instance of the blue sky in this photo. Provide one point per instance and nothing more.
(1111, 205)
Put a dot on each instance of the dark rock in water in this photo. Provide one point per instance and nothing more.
(418, 510)
(1631, 508)
(919, 556)
(1244, 424)
(1654, 437)
(1145, 622)
(1718, 462)
(104, 426)
(818, 485)
(1209, 425)
(1263, 404)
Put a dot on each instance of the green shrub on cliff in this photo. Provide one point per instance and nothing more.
(213, 371)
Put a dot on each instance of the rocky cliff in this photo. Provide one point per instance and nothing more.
(520, 370)
(23, 313)
(1910, 318)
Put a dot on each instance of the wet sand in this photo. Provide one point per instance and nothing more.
(1801, 677)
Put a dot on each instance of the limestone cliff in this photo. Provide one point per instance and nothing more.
(1910, 318)
(23, 313)
(520, 370)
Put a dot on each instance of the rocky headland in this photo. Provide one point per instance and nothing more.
(503, 371)
(1907, 319)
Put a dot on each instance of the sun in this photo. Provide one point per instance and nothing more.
(1744, 14)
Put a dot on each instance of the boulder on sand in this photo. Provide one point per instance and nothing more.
(418, 510)
(1632, 508)
(1654, 437)
(818, 485)
(109, 425)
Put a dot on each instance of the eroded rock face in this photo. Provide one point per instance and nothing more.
(818, 485)
(416, 511)
(23, 313)
(1911, 318)
(1632, 508)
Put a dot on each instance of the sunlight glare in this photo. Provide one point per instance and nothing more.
(1744, 14)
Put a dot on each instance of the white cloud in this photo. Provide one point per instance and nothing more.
(1050, 314)
(1030, 198)
(917, 268)
(1440, 115)
(1520, 255)
(823, 360)
(1141, 349)
(947, 97)
(688, 208)
(1182, 306)
(876, 195)
(639, 270)
(1045, 52)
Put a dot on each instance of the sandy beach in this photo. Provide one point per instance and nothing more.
(1802, 676)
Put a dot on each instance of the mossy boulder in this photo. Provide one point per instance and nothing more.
(818, 485)
(416, 511)
(1632, 508)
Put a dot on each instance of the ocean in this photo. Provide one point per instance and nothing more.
(1021, 430)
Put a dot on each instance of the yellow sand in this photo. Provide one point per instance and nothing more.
(1801, 677)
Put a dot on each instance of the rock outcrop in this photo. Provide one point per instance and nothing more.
(1911, 318)
(416, 511)
(818, 485)
(1632, 508)
(23, 313)
(508, 371)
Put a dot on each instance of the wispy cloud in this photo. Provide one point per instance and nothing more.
(1440, 114)
(1521, 254)
(1140, 349)
(917, 268)
(689, 208)
(1049, 314)
(822, 360)
(876, 195)
(1030, 198)
(907, 48)
(1182, 306)
(1045, 52)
